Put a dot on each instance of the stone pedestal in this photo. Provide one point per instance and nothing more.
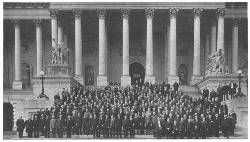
(172, 79)
(125, 80)
(102, 81)
(52, 85)
(196, 79)
(17, 85)
(28, 107)
(150, 78)
(59, 70)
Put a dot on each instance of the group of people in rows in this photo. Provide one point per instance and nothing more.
(161, 110)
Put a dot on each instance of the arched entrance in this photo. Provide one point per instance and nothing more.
(183, 74)
(136, 72)
(89, 75)
(8, 119)
(26, 75)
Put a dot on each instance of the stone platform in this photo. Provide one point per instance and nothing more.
(52, 85)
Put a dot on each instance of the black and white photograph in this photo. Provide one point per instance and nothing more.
(125, 70)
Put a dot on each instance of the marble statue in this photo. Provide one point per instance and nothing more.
(216, 63)
(60, 53)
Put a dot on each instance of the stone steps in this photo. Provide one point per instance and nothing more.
(240, 107)
(192, 91)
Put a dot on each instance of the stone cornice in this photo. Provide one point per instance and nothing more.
(135, 5)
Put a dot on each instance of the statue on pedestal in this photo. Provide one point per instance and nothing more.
(216, 63)
(60, 53)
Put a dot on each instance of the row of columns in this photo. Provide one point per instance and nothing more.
(57, 36)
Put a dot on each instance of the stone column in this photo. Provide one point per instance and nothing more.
(60, 30)
(53, 14)
(17, 84)
(125, 79)
(196, 60)
(39, 47)
(102, 75)
(78, 44)
(172, 77)
(213, 37)
(235, 46)
(149, 77)
(207, 47)
(220, 31)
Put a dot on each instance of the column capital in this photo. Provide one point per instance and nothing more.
(77, 13)
(197, 12)
(173, 12)
(102, 13)
(16, 22)
(54, 13)
(149, 13)
(37, 22)
(220, 12)
(125, 13)
(236, 21)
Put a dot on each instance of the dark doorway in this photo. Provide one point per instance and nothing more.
(89, 75)
(183, 74)
(8, 120)
(136, 72)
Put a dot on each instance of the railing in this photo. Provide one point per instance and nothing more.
(75, 83)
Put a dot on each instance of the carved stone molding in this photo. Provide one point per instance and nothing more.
(16, 23)
(54, 13)
(173, 12)
(197, 11)
(77, 13)
(38, 22)
(102, 13)
(149, 13)
(236, 21)
(125, 13)
(220, 12)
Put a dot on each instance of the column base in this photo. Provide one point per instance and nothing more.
(150, 78)
(17, 85)
(102, 81)
(172, 79)
(196, 79)
(125, 80)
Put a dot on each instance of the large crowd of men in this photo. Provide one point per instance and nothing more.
(161, 110)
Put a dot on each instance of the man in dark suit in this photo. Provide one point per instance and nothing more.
(203, 128)
(217, 124)
(47, 126)
(20, 126)
(182, 128)
(158, 128)
(118, 124)
(53, 126)
(196, 128)
(29, 127)
(106, 126)
(69, 126)
(132, 127)
(60, 123)
(176, 86)
(205, 93)
(101, 127)
(168, 126)
(125, 126)
(36, 123)
(95, 125)
(225, 126)
(112, 127)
